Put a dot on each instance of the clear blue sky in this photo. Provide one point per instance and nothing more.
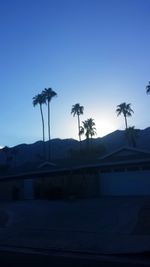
(92, 52)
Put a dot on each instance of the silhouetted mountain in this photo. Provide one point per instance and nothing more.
(62, 149)
(118, 138)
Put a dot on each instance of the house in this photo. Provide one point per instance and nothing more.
(49, 181)
(124, 172)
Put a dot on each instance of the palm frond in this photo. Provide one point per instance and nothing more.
(77, 109)
(124, 109)
(38, 99)
(89, 127)
(148, 88)
(48, 93)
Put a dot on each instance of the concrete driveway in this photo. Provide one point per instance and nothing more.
(104, 225)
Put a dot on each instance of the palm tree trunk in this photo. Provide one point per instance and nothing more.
(43, 130)
(126, 122)
(88, 143)
(49, 133)
(128, 137)
(79, 131)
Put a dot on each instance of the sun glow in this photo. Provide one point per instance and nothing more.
(104, 127)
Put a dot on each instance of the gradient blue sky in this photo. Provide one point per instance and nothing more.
(92, 52)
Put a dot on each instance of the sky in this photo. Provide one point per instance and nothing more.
(92, 52)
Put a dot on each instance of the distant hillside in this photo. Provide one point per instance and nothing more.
(117, 139)
(63, 148)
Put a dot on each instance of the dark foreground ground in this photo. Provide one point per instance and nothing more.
(82, 232)
(12, 258)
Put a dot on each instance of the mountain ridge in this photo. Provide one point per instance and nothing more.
(62, 148)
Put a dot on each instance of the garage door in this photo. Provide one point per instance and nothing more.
(125, 183)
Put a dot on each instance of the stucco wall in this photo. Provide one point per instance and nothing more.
(125, 183)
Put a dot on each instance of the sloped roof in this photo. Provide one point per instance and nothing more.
(126, 154)
(34, 168)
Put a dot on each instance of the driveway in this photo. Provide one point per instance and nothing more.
(104, 225)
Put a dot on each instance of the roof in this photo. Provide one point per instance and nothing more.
(126, 154)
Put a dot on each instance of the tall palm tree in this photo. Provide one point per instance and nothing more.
(132, 134)
(88, 129)
(148, 88)
(48, 95)
(40, 100)
(77, 110)
(126, 110)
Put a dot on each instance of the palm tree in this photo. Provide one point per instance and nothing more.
(88, 129)
(77, 110)
(132, 134)
(148, 88)
(126, 110)
(48, 95)
(40, 100)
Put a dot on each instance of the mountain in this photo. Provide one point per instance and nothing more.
(118, 138)
(62, 149)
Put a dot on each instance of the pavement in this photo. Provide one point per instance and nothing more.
(110, 225)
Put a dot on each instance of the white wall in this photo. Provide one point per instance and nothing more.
(125, 183)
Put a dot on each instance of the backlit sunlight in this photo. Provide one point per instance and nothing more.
(104, 127)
